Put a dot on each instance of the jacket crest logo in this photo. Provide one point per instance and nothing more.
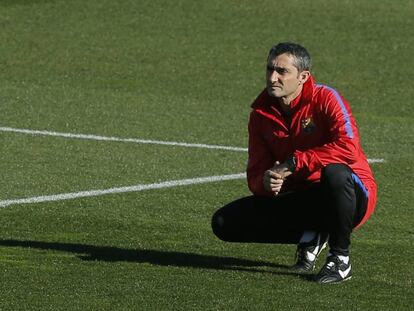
(308, 126)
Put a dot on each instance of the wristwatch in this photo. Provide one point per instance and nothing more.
(291, 163)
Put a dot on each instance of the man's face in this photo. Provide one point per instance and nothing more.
(282, 77)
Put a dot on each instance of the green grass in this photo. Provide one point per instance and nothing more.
(186, 71)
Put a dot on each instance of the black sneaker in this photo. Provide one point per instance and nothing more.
(307, 253)
(334, 271)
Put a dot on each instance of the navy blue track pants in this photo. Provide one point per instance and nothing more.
(334, 205)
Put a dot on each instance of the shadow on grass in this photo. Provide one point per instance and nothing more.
(156, 257)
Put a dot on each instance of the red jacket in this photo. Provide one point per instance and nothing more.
(321, 131)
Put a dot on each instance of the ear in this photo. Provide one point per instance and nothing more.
(304, 76)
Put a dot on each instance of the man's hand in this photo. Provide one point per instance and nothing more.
(281, 169)
(273, 178)
(272, 181)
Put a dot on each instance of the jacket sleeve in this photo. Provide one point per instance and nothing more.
(260, 157)
(344, 138)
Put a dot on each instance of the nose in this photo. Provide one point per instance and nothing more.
(273, 76)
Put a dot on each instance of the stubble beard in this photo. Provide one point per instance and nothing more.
(274, 92)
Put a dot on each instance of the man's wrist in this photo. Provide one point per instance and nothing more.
(291, 163)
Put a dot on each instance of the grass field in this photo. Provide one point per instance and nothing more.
(185, 71)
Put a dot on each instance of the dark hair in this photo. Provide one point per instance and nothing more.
(302, 59)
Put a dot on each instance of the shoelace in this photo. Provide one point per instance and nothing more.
(332, 264)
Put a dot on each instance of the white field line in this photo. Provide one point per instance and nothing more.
(376, 160)
(118, 139)
(132, 140)
(136, 188)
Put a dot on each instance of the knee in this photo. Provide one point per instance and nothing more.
(217, 225)
(336, 176)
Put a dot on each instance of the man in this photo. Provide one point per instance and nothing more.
(310, 179)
